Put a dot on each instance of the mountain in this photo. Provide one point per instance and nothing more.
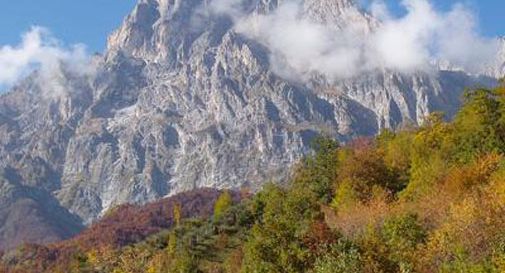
(181, 100)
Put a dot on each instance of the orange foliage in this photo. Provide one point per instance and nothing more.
(353, 220)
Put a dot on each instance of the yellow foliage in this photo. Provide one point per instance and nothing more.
(177, 214)
(464, 178)
(222, 204)
(345, 196)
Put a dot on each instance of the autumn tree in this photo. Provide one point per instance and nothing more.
(177, 213)
(223, 203)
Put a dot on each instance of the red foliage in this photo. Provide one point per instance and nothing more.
(127, 224)
(319, 235)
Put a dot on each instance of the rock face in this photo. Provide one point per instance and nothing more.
(181, 101)
(498, 69)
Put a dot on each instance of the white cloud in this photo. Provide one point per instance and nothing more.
(231, 7)
(425, 34)
(39, 50)
(299, 46)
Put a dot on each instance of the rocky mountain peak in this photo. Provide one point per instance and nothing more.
(160, 30)
(497, 68)
(500, 71)
(343, 13)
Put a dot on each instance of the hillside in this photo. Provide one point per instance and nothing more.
(120, 227)
(427, 199)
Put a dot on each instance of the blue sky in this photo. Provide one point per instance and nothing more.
(489, 12)
(72, 21)
(90, 21)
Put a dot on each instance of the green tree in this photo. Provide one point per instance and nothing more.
(318, 172)
(343, 257)
(479, 126)
(430, 154)
(276, 242)
(184, 262)
(402, 234)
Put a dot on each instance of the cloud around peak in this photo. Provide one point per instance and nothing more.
(413, 42)
(40, 50)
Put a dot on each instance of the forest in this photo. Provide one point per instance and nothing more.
(427, 198)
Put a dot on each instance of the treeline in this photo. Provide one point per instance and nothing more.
(428, 199)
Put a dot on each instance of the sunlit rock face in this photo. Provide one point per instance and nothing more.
(181, 100)
(498, 68)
